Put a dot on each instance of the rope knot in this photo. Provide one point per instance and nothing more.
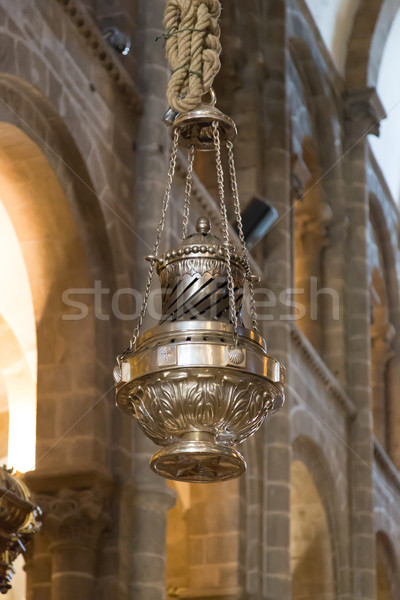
(192, 36)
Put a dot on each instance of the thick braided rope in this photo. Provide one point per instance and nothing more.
(193, 48)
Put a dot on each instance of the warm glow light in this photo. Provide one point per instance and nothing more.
(18, 353)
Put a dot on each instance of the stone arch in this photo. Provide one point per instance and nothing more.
(205, 540)
(251, 518)
(318, 194)
(64, 227)
(321, 104)
(309, 443)
(385, 327)
(387, 568)
(311, 551)
(386, 241)
(371, 27)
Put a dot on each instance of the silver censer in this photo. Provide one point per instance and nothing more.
(200, 383)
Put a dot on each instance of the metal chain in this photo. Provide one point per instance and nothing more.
(226, 246)
(188, 192)
(245, 253)
(154, 257)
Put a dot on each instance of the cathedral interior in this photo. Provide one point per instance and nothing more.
(314, 89)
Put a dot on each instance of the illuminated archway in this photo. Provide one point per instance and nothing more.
(18, 351)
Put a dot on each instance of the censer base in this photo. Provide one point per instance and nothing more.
(198, 461)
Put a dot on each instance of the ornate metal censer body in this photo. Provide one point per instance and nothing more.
(191, 389)
(200, 382)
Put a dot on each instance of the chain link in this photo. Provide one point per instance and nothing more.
(245, 252)
(226, 245)
(188, 192)
(154, 257)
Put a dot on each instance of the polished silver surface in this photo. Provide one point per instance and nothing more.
(200, 383)
(194, 279)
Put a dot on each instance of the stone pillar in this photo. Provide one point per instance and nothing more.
(38, 569)
(381, 353)
(275, 560)
(334, 322)
(250, 73)
(153, 497)
(361, 114)
(213, 528)
(74, 521)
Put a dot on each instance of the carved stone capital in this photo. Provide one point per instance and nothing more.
(74, 517)
(363, 112)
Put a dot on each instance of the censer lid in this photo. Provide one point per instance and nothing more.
(194, 278)
(200, 244)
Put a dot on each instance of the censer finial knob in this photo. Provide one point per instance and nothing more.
(203, 225)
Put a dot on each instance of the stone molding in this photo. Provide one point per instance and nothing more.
(319, 367)
(91, 34)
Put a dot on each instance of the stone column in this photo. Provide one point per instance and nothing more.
(153, 497)
(213, 530)
(74, 521)
(334, 322)
(275, 559)
(361, 113)
(38, 569)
